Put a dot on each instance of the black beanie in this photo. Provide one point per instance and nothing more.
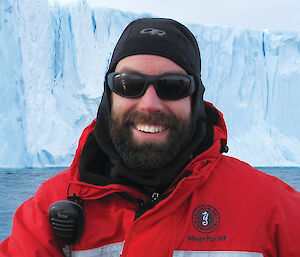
(167, 38)
(158, 36)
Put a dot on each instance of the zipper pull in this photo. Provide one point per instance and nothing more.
(147, 205)
(150, 200)
(154, 197)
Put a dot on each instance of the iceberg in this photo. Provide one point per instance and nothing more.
(53, 61)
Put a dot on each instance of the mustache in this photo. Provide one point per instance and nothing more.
(156, 118)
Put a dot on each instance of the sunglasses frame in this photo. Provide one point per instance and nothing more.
(151, 79)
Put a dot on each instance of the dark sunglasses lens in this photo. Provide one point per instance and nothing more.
(173, 86)
(128, 85)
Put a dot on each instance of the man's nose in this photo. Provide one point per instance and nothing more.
(150, 102)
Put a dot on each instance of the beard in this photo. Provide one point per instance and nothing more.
(149, 155)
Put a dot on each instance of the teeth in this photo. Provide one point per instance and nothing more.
(150, 128)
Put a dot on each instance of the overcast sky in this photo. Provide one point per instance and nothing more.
(262, 14)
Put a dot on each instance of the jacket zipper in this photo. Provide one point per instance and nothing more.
(148, 204)
(156, 197)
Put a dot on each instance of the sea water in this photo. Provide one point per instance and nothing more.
(18, 185)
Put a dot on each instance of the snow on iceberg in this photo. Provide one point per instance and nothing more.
(53, 60)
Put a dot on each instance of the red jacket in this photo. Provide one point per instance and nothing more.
(223, 208)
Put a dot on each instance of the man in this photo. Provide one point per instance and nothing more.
(149, 171)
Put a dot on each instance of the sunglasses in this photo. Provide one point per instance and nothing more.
(169, 86)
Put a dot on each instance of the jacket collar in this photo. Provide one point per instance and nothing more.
(92, 191)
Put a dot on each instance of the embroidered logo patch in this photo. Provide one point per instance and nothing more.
(206, 218)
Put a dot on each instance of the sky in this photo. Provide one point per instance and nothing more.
(260, 14)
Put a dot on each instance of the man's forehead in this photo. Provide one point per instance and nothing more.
(149, 64)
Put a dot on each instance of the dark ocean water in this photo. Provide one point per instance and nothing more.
(18, 185)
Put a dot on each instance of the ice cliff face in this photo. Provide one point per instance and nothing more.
(253, 77)
(53, 60)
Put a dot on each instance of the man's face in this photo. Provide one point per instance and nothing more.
(148, 131)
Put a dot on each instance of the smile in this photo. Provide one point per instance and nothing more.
(150, 128)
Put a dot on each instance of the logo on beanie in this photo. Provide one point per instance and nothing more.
(153, 32)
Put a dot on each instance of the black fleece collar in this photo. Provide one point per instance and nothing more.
(101, 165)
